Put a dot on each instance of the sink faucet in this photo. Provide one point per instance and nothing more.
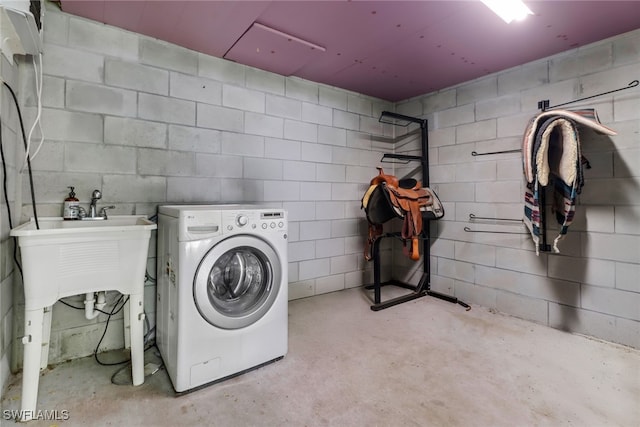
(97, 195)
(93, 215)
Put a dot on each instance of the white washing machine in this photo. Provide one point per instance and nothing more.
(221, 291)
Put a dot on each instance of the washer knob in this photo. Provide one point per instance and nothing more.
(242, 220)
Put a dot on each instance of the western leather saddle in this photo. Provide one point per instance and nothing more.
(387, 198)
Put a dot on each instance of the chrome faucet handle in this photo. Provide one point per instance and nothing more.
(103, 211)
(82, 213)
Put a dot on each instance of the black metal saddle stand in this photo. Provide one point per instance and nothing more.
(423, 288)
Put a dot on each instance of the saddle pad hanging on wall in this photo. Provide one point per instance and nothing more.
(552, 156)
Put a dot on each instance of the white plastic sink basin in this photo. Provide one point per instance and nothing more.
(54, 225)
(65, 258)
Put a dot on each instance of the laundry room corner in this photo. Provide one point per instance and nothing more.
(163, 124)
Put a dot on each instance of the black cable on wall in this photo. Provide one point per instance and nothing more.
(6, 200)
(24, 139)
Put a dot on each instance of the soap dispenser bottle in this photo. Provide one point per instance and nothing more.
(71, 205)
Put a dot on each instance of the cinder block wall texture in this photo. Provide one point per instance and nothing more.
(149, 123)
(9, 73)
(592, 286)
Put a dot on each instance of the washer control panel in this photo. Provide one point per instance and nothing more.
(259, 219)
(242, 220)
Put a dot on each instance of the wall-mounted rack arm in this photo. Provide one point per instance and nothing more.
(473, 217)
(401, 158)
(469, 230)
(544, 105)
(475, 153)
(398, 119)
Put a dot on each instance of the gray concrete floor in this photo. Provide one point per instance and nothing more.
(422, 363)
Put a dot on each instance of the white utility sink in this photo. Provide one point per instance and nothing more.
(130, 221)
(64, 258)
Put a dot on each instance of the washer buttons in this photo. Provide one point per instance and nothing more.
(264, 225)
(273, 225)
(281, 224)
(242, 220)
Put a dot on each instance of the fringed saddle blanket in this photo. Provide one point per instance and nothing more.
(551, 155)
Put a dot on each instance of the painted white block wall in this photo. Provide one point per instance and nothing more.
(8, 122)
(149, 123)
(591, 287)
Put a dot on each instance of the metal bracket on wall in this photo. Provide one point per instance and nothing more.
(475, 153)
(399, 158)
(544, 104)
(473, 217)
(398, 119)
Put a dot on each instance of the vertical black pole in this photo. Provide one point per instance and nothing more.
(542, 199)
(542, 202)
(376, 270)
(426, 246)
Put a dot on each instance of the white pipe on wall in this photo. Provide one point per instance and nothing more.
(89, 309)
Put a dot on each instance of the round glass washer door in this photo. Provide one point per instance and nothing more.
(237, 282)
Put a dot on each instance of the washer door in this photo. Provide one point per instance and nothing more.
(237, 282)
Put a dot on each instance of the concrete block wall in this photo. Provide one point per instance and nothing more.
(591, 287)
(149, 123)
(12, 157)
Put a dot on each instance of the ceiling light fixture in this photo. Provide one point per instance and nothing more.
(508, 10)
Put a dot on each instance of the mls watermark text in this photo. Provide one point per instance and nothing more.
(40, 414)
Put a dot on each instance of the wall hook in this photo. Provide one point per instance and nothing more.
(475, 153)
(473, 217)
(544, 105)
(469, 230)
